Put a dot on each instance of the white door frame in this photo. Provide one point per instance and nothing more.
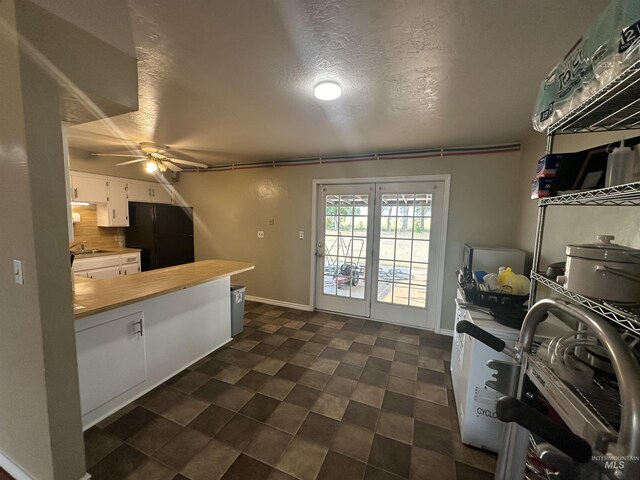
(446, 178)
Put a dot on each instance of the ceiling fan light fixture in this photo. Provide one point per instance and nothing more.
(151, 166)
(327, 90)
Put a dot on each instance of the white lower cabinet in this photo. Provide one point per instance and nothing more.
(107, 272)
(117, 365)
(107, 266)
(130, 269)
(111, 359)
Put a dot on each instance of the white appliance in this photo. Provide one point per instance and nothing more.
(489, 259)
(475, 402)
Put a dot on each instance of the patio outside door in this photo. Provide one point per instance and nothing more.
(343, 248)
(377, 247)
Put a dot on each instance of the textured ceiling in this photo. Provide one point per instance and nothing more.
(235, 78)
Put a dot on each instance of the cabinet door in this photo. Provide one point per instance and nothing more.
(88, 189)
(111, 360)
(130, 269)
(115, 213)
(139, 191)
(118, 203)
(161, 194)
(108, 272)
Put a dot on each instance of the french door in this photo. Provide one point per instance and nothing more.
(377, 246)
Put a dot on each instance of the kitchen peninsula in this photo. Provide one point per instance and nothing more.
(135, 332)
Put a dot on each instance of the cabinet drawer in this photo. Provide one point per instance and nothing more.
(129, 258)
(82, 264)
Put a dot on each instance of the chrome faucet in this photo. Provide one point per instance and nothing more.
(82, 244)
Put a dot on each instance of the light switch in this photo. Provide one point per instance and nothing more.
(272, 221)
(301, 235)
(260, 234)
(17, 272)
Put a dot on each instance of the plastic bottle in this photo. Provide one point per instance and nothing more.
(635, 174)
(507, 280)
(619, 166)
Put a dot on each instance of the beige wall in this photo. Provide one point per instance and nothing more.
(570, 225)
(40, 427)
(230, 207)
(40, 423)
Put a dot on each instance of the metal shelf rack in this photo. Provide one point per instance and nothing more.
(626, 318)
(620, 195)
(616, 106)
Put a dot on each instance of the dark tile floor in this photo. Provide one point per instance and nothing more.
(4, 475)
(299, 395)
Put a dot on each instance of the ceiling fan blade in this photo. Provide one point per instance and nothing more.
(114, 155)
(186, 162)
(171, 166)
(132, 161)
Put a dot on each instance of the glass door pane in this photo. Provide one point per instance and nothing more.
(404, 249)
(344, 247)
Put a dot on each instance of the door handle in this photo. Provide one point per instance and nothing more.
(141, 331)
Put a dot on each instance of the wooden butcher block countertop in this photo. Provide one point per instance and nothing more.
(94, 296)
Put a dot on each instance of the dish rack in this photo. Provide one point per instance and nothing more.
(592, 413)
(484, 298)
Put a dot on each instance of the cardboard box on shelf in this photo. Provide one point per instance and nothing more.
(540, 187)
(548, 165)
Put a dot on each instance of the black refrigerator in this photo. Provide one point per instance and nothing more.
(164, 233)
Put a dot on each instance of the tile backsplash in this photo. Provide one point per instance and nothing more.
(96, 237)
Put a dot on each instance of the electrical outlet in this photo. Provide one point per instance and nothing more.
(301, 235)
(260, 234)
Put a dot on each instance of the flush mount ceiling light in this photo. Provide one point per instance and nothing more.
(327, 90)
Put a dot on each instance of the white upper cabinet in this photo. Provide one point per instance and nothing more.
(151, 192)
(88, 188)
(161, 193)
(115, 213)
(139, 191)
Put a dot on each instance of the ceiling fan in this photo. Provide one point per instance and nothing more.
(155, 159)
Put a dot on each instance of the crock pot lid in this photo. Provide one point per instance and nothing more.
(605, 250)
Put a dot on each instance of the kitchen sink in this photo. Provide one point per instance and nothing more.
(88, 252)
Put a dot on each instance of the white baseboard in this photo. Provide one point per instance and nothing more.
(18, 473)
(12, 469)
(446, 331)
(279, 303)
